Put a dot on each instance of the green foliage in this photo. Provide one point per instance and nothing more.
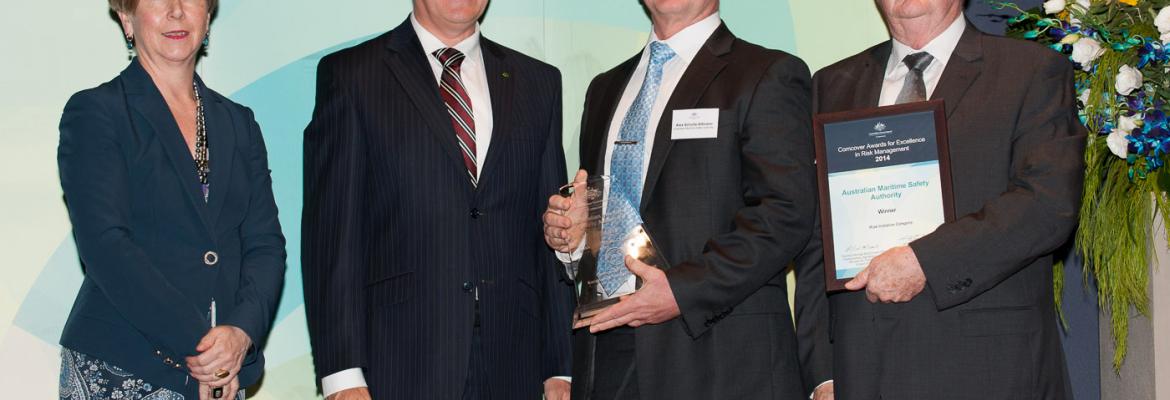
(1121, 195)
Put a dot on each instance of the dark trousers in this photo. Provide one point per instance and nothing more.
(477, 384)
(615, 374)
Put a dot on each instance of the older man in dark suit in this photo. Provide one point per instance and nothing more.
(965, 312)
(729, 208)
(427, 162)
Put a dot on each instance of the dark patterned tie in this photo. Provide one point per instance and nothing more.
(458, 106)
(914, 87)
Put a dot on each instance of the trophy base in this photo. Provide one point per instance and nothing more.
(587, 311)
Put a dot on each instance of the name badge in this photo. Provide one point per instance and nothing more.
(698, 123)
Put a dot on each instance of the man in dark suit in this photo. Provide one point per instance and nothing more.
(729, 207)
(427, 164)
(965, 312)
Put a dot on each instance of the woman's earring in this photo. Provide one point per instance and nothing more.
(207, 39)
(130, 46)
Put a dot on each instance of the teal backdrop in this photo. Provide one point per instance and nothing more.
(263, 54)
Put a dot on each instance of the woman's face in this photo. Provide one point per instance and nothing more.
(168, 30)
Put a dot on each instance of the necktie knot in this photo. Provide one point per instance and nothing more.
(660, 53)
(459, 107)
(449, 57)
(918, 61)
(914, 87)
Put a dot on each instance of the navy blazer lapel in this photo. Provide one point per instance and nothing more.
(145, 99)
(501, 87)
(221, 144)
(407, 62)
(962, 69)
(690, 89)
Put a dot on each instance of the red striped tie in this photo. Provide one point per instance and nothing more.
(458, 106)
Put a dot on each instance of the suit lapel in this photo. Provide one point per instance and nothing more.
(500, 87)
(599, 122)
(145, 99)
(868, 92)
(690, 89)
(221, 143)
(962, 69)
(410, 67)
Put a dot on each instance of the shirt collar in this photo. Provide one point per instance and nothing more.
(940, 47)
(687, 42)
(430, 43)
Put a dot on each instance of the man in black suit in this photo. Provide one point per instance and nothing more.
(427, 164)
(729, 207)
(965, 312)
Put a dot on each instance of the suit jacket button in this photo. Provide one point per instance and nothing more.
(210, 258)
(168, 361)
(475, 213)
(467, 286)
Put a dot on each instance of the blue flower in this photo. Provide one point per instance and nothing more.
(1155, 119)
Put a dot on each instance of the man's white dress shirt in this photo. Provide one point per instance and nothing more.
(940, 48)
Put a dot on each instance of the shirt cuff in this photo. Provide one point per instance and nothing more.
(810, 395)
(564, 378)
(570, 260)
(342, 380)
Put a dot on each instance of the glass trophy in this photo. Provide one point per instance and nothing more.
(601, 275)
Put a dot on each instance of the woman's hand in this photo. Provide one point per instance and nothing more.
(229, 391)
(221, 353)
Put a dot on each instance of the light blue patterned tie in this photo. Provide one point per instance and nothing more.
(625, 192)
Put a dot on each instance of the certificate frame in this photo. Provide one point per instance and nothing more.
(936, 108)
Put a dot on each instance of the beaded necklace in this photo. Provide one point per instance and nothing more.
(201, 156)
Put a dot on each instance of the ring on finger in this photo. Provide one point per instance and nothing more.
(222, 373)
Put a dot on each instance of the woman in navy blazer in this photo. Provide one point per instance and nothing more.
(168, 189)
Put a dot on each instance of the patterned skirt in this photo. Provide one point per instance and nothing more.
(87, 378)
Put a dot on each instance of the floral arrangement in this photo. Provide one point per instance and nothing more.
(1121, 49)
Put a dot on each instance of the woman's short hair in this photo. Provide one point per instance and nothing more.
(128, 6)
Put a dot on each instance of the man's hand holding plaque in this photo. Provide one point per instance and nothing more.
(892, 277)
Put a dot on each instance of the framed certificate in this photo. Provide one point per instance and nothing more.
(884, 180)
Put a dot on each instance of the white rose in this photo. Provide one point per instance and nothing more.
(1054, 6)
(1128, 79)
(1085, 4)
(1084, 97)
(1118, 144)
(1085, 51)
(1128, 124)
(1165, 38)
(1162, 21)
